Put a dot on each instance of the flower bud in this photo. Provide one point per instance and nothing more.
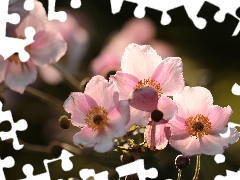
(181, 162)
(56, 150)
(157, 115)
(64, 122)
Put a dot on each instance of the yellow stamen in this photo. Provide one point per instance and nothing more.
(150, 83)
(96, 118)
(198, 126)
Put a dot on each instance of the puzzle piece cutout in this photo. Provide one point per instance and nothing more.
(236, 89)
(60, 15)
(6, 45)
(66, 166)
(230, 175)
(20, 125)
(137, 167)
(7, 162)
(192, 8)
(87, 173)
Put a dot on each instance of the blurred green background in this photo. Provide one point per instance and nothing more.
(210, 59)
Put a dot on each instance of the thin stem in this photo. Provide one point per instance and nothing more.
(52, 101)
(195, 177)
(179, 174)
(73, 82)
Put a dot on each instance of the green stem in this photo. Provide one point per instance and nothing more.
(179, 174)
(73, 82)
(52, 101)
(195, 177)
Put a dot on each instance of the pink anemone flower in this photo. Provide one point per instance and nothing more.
(48, 47)
(198, 126)
(142, 67)
(100, 113)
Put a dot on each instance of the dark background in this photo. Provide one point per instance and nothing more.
(212, 49)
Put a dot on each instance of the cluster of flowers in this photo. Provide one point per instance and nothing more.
(48, 46)
(139, 95)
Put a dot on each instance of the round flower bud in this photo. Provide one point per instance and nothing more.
(181, 162)
(56, 151)
(64, 122)
(156, 115)
(127, 158)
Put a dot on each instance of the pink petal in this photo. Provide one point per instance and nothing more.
(125, 83)
(139, 118)
(78, 104)
(37, 18)
(170, 75)
(215, 144)
(144, 99)
(118, 118)
(157, 134)
(3, 67)
(177, 125)
(19, 75)
(105, 143)
(48, 47)
(219, 116)
(103, 92)
(187, 145)
(192, 101)
(167, 106)
(140, 61)
(86, 138)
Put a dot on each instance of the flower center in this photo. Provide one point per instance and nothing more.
(156, 115)
(96, 118)
(198, 126)
(150, 83)
(15, 58)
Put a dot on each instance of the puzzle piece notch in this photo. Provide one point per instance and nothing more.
(87, 173)
(229, 175)
(192, 8)
(21, 125)
(137, 167)
(7, 162)
(227, 133)
(236, 89)
(75, 4)
(66, 166)
(29, 5)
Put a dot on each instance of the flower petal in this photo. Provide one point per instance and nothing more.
(169, 73)
(167, 106)
(105, 143)
(219, 116)
(125, 83)
(177, 125)
(187, 145)
(86, 138)
(36, 18)
(192, 101)
(215, 144)
(137, 117)
(157, 134)
(78, 104)
(3, 67)
(144, 99)
(48, 47)
(140, 61)
(19, 75)
(118, 118)
(103, 92)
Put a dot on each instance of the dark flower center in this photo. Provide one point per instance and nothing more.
(97, 119)
(156, 115)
